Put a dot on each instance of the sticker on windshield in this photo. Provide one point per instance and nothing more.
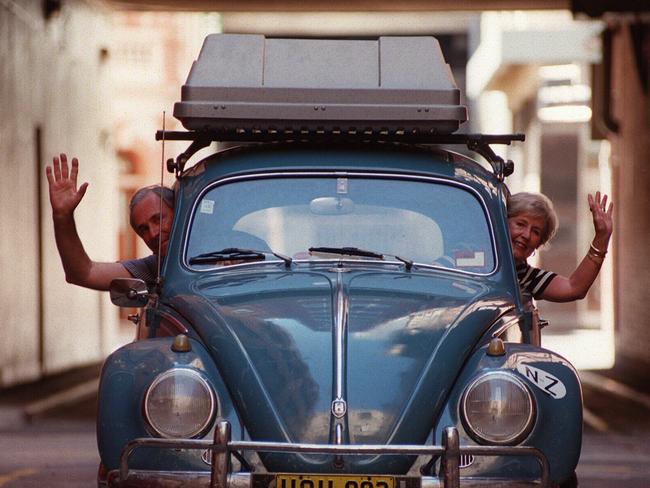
(466, 259)
(207, 207)
(544, 381)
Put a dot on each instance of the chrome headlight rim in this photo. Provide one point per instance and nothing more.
(214, 402)
(515, 438)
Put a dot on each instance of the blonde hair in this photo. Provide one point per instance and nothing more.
(537, 205)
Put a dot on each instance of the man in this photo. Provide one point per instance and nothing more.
(146, 219)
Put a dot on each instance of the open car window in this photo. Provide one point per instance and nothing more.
(428, 222)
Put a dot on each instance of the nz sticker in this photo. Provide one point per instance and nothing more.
(543, 380)
(207, 207)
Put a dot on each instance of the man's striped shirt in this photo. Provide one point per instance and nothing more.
(533, 280)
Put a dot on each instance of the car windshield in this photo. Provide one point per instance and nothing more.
(425, 221)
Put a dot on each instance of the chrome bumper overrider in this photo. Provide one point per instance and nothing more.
(222, 447)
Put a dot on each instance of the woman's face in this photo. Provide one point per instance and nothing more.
(525, 235)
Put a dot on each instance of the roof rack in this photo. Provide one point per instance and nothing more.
(479, 143)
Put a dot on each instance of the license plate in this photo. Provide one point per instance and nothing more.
(332, 481)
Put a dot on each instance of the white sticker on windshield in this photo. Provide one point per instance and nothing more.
(544, 381)
(469, 258)
(207, 207)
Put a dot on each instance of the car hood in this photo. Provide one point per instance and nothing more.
(403, 340)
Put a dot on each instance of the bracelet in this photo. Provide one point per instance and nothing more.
(596, 259)
(597, 251)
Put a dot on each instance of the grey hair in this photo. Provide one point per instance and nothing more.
(537, 205)
(167, 195)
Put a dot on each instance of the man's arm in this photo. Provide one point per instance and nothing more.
(64, 198)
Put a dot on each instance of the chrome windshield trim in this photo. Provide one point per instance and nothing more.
(349, 263)
(373, 262)
(335, 174)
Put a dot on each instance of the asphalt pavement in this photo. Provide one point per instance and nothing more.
(47, 432)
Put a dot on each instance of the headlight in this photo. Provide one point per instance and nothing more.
(179, 403)
(497, 408)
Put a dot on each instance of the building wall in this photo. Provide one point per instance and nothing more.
(52, 94)
(91, 82)
(151, 56)
(631, 161)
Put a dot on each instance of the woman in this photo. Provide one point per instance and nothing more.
(532, 223)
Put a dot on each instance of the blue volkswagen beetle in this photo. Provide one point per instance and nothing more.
(338, 307)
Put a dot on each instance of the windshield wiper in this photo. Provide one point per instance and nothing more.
(355, 251)
(237, 254)
(347, 251)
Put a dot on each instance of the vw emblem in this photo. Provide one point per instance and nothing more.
(339, 408)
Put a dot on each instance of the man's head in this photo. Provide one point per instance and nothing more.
(146, 218)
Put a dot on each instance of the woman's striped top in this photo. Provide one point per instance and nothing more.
(533, 280)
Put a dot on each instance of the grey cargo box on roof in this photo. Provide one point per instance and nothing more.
(249, 82)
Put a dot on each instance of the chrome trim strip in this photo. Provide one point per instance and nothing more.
(339, 434)
(341, 303)
(340, 332)
(335, 174)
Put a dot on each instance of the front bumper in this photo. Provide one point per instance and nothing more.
(222, 447)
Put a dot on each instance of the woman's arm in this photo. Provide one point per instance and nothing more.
(575, 286)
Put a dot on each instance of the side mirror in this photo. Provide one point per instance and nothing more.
(129, 292)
